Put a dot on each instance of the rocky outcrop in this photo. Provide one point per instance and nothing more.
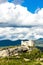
(4, 53)
(12, 51)
(18, 49)
(29, 43)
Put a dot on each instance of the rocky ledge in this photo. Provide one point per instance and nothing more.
(5, 52)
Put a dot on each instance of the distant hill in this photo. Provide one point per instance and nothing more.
(40, 39)
(38, 42)
(9, 43)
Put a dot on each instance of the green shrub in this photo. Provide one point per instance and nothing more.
(38, 64)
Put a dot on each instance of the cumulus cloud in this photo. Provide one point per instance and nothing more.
(16, 15)
(2, 1)
(12, 33)
(11, 15)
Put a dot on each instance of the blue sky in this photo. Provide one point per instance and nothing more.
(32, 5)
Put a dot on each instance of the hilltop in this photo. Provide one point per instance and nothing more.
(21, 55)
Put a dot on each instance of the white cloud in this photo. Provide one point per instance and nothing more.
(17, 15)
(11, 15)
(12, 33)
(2, 1)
